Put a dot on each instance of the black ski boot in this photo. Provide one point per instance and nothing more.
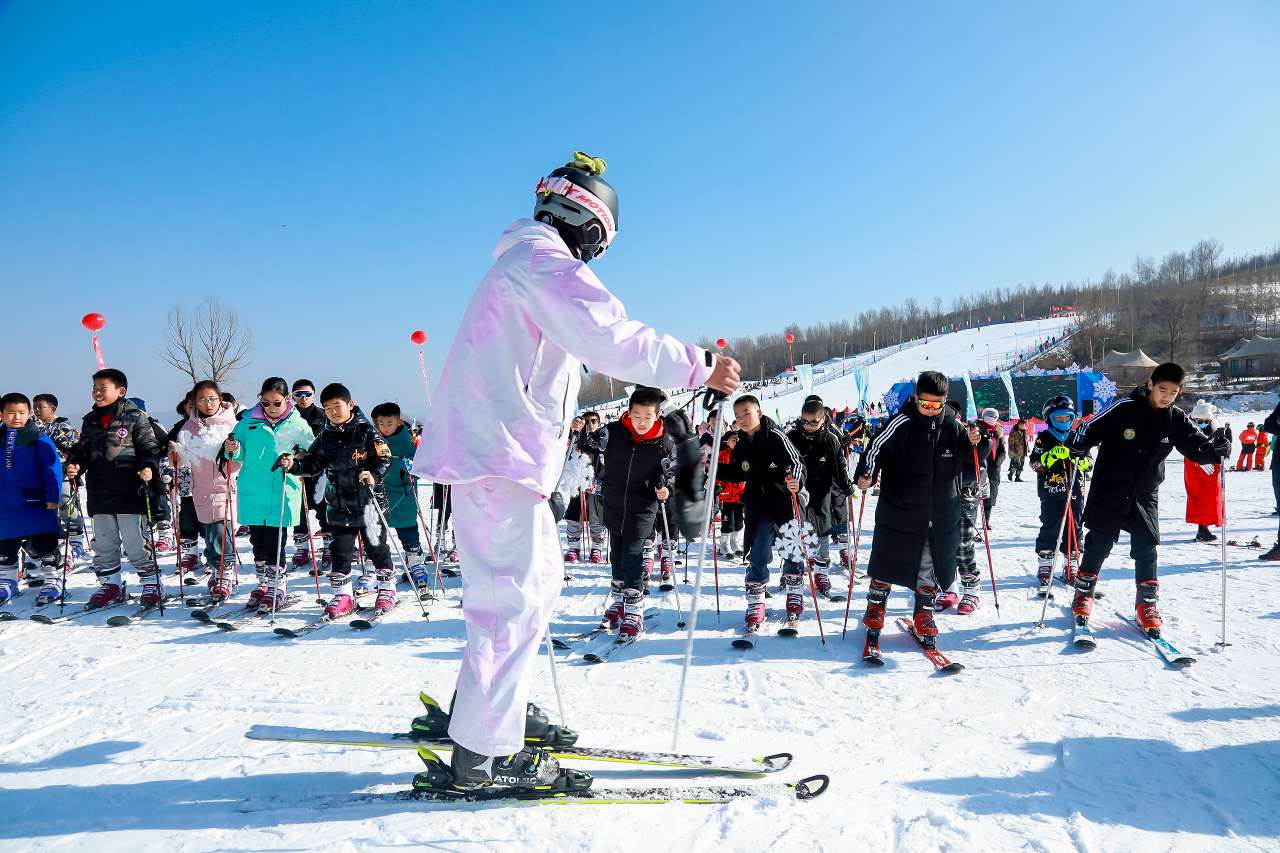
(529, 774)
(538, 730)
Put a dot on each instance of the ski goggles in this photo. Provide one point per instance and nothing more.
(303, 395)
(931, 405)
(808, 422)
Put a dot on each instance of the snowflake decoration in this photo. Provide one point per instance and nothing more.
(890, 401)
(789, 544)
(1104, 390)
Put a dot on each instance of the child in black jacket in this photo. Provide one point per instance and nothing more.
(924, 459)
(354, 457)
(1133, 437)
(636, 455)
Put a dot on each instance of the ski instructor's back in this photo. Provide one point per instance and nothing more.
(497, 432)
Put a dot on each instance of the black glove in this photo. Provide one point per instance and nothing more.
(688, 479)
(558, 506)
(1221, 445)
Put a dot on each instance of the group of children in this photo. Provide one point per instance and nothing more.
(261, 469)
(937, 479)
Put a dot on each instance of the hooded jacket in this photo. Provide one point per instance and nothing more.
(923, 464)
(826, 476)
(341, 452)
(634, 466)
(1133, 440)
(258, 487)
(399, 485)
(112, 455)
(198, 444)
(30, 479)
(512, 375)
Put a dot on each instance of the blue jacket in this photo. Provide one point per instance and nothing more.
(30, 478)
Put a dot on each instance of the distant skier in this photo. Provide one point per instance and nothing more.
(497, 434)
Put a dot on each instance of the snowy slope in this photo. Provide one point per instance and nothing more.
(952, 353)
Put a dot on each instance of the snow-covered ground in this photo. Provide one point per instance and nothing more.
(132, 738)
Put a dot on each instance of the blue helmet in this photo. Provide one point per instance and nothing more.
(1059, 414)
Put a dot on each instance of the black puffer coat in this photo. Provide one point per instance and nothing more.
(631, 469)
(761, 462)
(826, 477)
(341, 452)
(923, 464)
(111, 457)
(1133, 440)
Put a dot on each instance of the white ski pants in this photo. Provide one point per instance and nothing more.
(512, 577)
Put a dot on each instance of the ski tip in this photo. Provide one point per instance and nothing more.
(777, 761)
(812, 786)
(119, 621)
(873, 660)
(284, 632)
(592, 658)
(951, 668)
(788, 632)
(743, 644)
(42, 618)
(559, 644)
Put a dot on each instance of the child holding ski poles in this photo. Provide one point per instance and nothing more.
(635, 454)
(197, 447)
(730, 494)
(827, 482)
(924, 460)
(1134, 436)
(117, 449)
(1054, 478)
(402, 491)
(770, 470)
(355, 459)
(267, 498)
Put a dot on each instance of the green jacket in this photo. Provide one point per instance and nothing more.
(258, 487)
(399, 483)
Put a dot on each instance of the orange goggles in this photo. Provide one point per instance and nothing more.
(931, 405)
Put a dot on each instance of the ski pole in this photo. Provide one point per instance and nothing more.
(853, 562)
(582, 518)
(311, 545)
(151, 537)
(1057, 544)
(986, 531)
(277, 567)
(1222, 517)
(222, 551)
(555, 681)
(666, 537)
(386, 532)
(66, 553)
(715, 563)
(804, 549)
(177, 516)
(426, 531)
(716, 399)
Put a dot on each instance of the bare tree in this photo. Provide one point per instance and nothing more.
(209, 343)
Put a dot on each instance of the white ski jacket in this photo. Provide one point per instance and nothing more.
(510, 383)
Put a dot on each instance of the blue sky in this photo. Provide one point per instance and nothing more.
(339, 172)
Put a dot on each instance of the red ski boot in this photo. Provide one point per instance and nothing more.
(795, 598)
(755, 615)
(1147, 614)
(111, 591)
(1082, 604)
(616, 611)
(633, 614)
(946, 601)
(877, 598)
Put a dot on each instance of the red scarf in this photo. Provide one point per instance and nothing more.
(655, 432)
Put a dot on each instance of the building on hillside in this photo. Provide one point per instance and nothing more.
(1258, 356)
(1126, 369)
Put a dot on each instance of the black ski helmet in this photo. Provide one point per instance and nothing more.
(1057, 404)
(580, 204)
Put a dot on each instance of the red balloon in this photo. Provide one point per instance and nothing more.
(419, 337)
(93, 322)
(721, 343)
(791, 339)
